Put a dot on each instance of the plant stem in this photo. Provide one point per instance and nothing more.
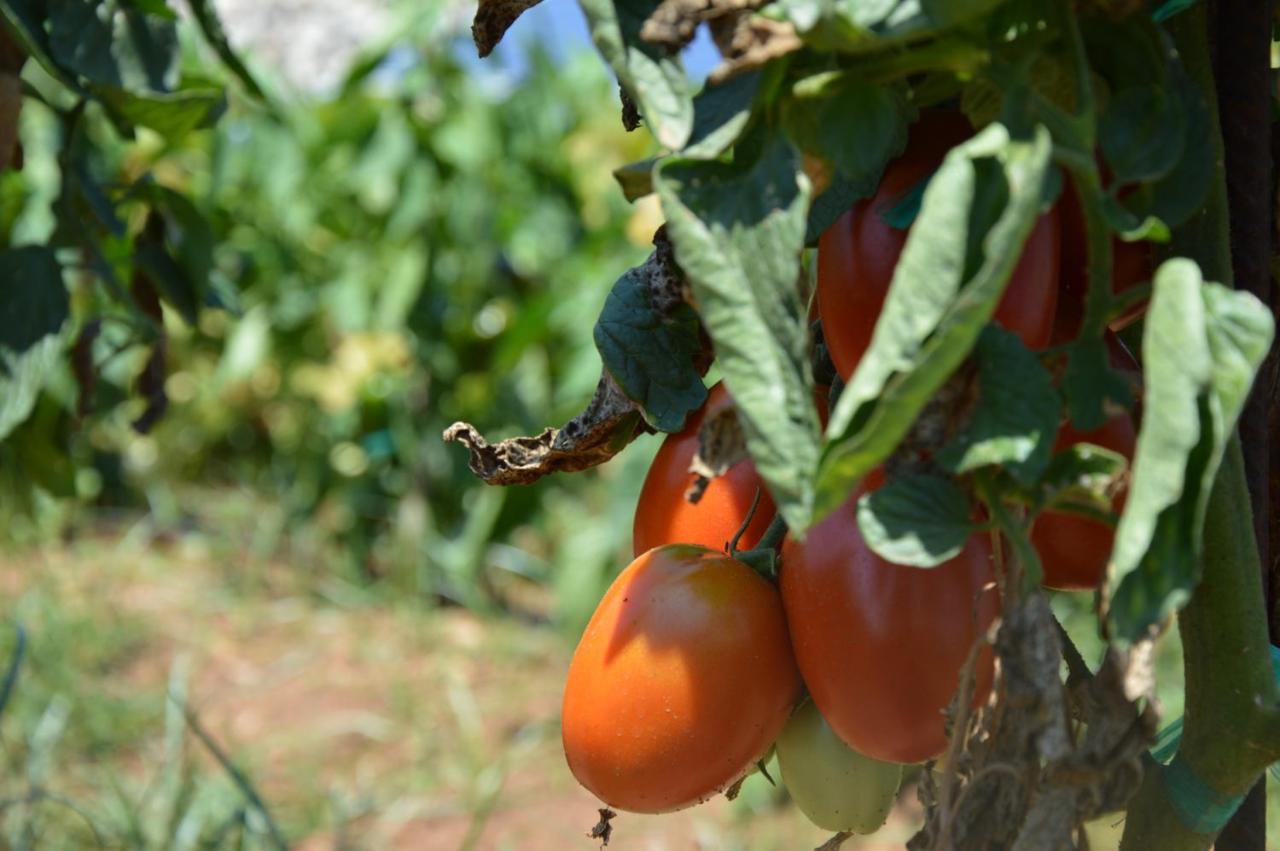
(1242, 75)
(1232, 720)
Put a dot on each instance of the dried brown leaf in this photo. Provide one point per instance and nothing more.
(609, 423)
(493, 19)
(748, 41)
(603, 830)
(673, 24)
(721, 444)
(1019, 777)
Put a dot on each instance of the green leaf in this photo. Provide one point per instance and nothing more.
(188, 234)
(1082, 475)
(860, 26)
(155, 8)
(1142, 132)
(1181, 193)
(655, 80)
(1016, 419)
(635, 179)
(832, 204)
(720, 115)
(1202, 346)
(113, 46)
(977, 213)
(857, 126)
(738, 229)
(1089, 383)
(23, 376)
(172, 115)
(651, 357)
(918, 520)
(33, 297)
(25, 22)
(206, 15)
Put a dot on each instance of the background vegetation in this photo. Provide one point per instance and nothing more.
(372, 642)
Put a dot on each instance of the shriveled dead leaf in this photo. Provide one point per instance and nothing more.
(603, 830)
(674, 22)
(1020, 776)
(493, 19)
(611, 420)
(609, 423)
(748, 41)
(721, 444)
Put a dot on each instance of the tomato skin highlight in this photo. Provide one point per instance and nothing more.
(857, 255)
(1074, 550)
(683, 678)
(664, 516)
(881, 645)
(836, 787)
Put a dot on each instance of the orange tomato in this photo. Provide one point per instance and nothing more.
(664, 516)
(682, 681)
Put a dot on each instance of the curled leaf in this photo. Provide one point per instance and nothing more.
(721, 444)
(673, 24)
(609, 423)
(750, 41)
(493, 19)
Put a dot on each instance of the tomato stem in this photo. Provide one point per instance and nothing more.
(1016, 532)
(746, 523)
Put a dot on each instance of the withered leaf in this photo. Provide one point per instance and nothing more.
(603, 830)
(493, 19)
(748, 41)
(674, 22)
(609, 423)
(721, 444)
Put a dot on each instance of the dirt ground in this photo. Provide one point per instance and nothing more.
(364, 723)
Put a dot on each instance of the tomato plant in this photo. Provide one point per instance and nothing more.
(858, 254)
(881, 645)
(665, 516)
(834, 785)
(682, 680)
(950, 283)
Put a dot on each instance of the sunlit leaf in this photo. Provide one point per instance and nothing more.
(977, 213)
(919, 520)
(654, 79)
(738, 229)
(1202, 346)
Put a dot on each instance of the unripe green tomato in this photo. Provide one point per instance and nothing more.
(838, 788)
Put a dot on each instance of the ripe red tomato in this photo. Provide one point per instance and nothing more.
(838, 788)
(664, 516)
(682, 680)
(857, 255)
(881, 645)
(1074, 550)
(1131, 264)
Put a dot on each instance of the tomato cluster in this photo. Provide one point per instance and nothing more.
(694, 665)
(1043, 303)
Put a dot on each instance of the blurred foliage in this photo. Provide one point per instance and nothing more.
(427, 244)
